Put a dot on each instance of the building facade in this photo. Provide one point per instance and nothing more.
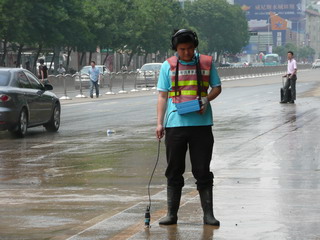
(277, 22)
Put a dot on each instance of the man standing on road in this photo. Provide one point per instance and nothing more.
(184, 78)
(94, 74)
(291, 79)
(43, 72)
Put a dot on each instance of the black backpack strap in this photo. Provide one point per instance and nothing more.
(199, 78)
(176, 87)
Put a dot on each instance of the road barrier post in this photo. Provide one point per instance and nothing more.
(81, 95)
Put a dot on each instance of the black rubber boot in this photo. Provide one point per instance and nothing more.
(173, 201)
(206, 203)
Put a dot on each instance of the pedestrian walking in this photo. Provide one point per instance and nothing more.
(61, 69)
(291, 79)
(43, 72)
(186, 78)
(94, 74)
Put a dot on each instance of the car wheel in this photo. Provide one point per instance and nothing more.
(21, 129)
(54, 123)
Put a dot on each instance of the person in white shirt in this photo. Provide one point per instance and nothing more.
(291, 79)
(61, 69)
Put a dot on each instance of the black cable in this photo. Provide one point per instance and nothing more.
(147, 216)
(154, 169)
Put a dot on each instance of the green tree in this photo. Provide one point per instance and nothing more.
(150, 24)
(306, 53)
(106, 20)
(282, 51)
(221, 25)
(13, 15)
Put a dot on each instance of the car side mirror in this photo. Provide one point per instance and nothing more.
(48, 87)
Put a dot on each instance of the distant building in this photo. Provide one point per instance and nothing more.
(277, 22)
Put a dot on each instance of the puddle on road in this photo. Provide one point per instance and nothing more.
(54, 184)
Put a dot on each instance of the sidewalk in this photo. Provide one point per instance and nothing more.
(103, 96)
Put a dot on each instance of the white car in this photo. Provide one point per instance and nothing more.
(148, 74)
(316, 63)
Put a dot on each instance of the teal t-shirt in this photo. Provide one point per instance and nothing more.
(172, 118)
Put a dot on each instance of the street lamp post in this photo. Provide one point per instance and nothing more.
(269, 19)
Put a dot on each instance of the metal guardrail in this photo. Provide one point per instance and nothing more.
(77, 85)
(234, 73)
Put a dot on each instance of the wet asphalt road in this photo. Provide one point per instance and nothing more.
(82, 183)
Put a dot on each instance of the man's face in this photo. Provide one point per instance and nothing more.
(290, 56)
(92, 64)
(186, 51)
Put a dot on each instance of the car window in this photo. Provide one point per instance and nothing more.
(4, 78)
(34, 81)
(84, 70)
(14, 82)
(23, 80)
(151, 67)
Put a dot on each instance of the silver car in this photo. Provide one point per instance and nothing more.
(85, 79)
(148, 74)
(316, 63)
(25, 102)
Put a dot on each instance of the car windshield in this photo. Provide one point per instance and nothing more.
(4, 78)
(151, 67)
(85, 69)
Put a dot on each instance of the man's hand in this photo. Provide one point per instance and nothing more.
(160, 132)
(204, 105)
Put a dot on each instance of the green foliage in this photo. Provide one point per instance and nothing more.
(132, 26)
(150, 25)
(223, 26)
(306, 52)
(300, 53)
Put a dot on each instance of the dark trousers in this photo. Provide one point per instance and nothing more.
(200, 141)
(290, 82)
(94, 85)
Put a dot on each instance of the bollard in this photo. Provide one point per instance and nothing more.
(135, 75)
(81, 95)
(155, 80)
(65, 96)
(112, 76)
(145, 80)
(124, 77)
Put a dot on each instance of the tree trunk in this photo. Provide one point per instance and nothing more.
(81, 59)
(90, 57)
(68, 59)
(34, 67)
(54, 55)
(3, 58)
(145, 58)
(218, 56)
(56, 59)
(19, 55)
(105, 59)
(130, 58)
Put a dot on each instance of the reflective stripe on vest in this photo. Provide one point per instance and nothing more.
(187, 93)
(187, 79)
